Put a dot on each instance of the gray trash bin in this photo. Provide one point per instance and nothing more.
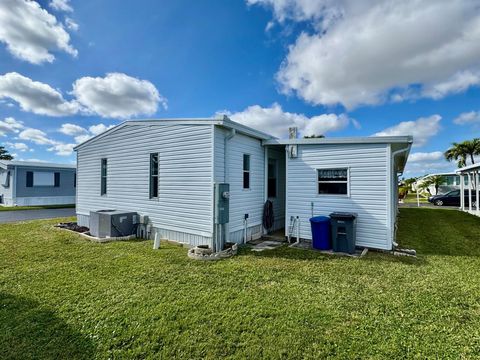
(344, 231)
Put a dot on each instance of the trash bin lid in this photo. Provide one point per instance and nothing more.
(343, 215)
(319, 219)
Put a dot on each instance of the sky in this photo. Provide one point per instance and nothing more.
(70, 70)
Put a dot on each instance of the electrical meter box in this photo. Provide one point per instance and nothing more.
(222, 203)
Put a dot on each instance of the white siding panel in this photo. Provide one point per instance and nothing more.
(185, 167)
(241, 201)
(368, 189)
(245, 201)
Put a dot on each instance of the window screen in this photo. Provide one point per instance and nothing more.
(153, 175)
(246, 171)
(333, 181)
(103, 182)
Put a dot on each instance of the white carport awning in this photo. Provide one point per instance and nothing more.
(472, 172)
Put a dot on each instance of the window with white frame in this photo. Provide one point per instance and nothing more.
(246, 171)
(333, 181)
(153, 175)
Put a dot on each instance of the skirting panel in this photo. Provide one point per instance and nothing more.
(183, 238)
(83, 220)
(165, 234)
(253, 232)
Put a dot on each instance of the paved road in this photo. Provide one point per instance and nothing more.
(22, 215)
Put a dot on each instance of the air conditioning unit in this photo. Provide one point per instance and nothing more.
(112, 223)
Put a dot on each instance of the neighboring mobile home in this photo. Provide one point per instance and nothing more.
(452, 182)
(25, 183)
(167, 170)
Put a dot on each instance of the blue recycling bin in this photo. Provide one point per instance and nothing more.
(321, 238)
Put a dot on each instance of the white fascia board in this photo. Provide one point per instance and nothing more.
(349, 140)
(468, 168)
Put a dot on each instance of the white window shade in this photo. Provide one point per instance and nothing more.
(42, 178)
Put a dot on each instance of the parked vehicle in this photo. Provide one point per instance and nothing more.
(452, 198)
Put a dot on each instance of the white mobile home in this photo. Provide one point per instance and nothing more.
(167, 170)
(25, 183)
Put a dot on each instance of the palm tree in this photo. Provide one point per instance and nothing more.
(459, 152)
(4, 155)
(434, 180)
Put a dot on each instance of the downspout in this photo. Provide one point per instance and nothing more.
(397, 174)
(226, 173)
(14, 186)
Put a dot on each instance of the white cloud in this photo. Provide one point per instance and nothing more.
(363, 52)
(72, 129)
(118, 95)
(273, 120)
(62, 149)
(39, 137)
(472, 117)
(99, 128)
(10, 125)
(428, 167)
(421, 129)
(61, 5)
(81, 134)
(31, 33)
(36, 136)
(18, 146)
(71, 24)
(425, 156)
(301, 10)
(35, 96)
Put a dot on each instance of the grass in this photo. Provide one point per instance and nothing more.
(65, 297)
(38, 207)
(411, 198)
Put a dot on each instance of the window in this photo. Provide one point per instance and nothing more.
(56, 181)
(272, 178)
(103, 184)
(333, 181)
(75, 179)
(246, 171)
(454, 193)
(154, 175)
(29, 179)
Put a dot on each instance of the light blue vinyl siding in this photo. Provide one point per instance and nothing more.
(242, 201)
(184, 204)
(369, 189)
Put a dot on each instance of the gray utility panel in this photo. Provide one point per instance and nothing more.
(112, 223)
(222, 202)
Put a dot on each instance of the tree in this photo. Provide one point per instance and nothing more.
(434, 180)
(4, 155)
(460, 152)
(409, 182)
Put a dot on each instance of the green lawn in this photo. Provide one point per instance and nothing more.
(64, 297)
(16, 208)
(412, 199)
